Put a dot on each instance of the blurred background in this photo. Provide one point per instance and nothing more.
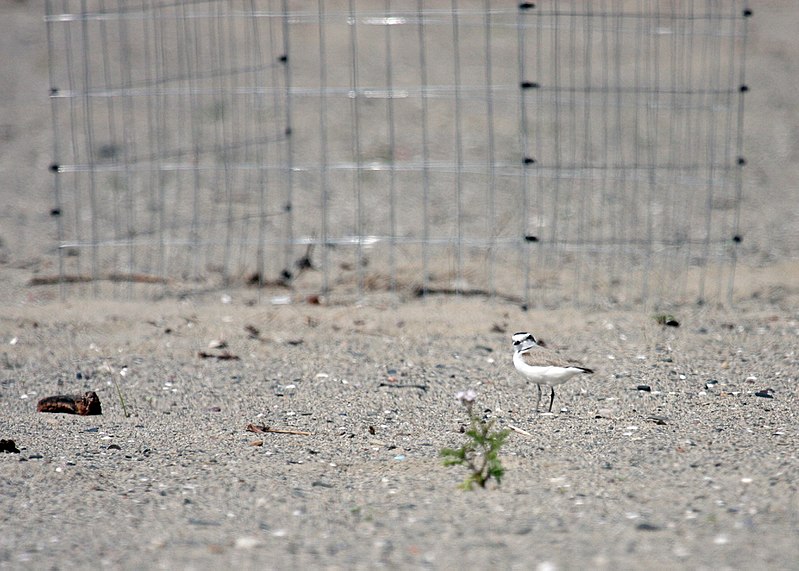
(552, 153)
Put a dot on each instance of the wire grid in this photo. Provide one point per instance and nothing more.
(579, 152)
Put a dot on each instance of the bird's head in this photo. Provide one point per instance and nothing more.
(524, 340)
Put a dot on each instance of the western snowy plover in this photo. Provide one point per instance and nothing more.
(541, 365)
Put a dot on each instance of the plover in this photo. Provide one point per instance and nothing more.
(541, 365)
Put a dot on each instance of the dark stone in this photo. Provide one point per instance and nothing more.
(8, 447)
(644, 526)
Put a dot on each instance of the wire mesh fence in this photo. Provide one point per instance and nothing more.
(579, 152)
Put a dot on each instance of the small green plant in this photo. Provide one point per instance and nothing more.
(481, 453)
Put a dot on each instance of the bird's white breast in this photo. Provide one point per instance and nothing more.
(544, 374)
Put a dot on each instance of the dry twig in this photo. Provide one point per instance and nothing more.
(519, 430)
(403, 386)
(112, 277)
(258, 428)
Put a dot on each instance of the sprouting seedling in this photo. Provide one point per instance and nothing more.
(480, 454)
(123, 372)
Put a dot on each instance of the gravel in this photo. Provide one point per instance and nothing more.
(680, 451)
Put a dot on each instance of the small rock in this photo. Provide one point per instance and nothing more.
(644, 526)
(765, 393)
(645, 388)
(666, 319)
(721, 539)
(247, 542)
(8, 447)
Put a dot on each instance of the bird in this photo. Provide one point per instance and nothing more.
(541, 365)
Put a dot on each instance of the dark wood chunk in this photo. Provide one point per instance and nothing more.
(86, 404)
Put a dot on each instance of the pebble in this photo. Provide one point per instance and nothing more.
(247, 542)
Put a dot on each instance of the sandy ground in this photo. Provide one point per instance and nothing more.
(697, 472)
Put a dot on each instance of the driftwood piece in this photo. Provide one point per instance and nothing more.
(257, 428)
(422, 291)
(86, 404)
(519, 430)
(112, 277)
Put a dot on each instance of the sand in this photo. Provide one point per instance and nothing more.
(665, 457)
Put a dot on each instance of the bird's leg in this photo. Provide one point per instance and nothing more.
(552, 398)
(539, 399)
